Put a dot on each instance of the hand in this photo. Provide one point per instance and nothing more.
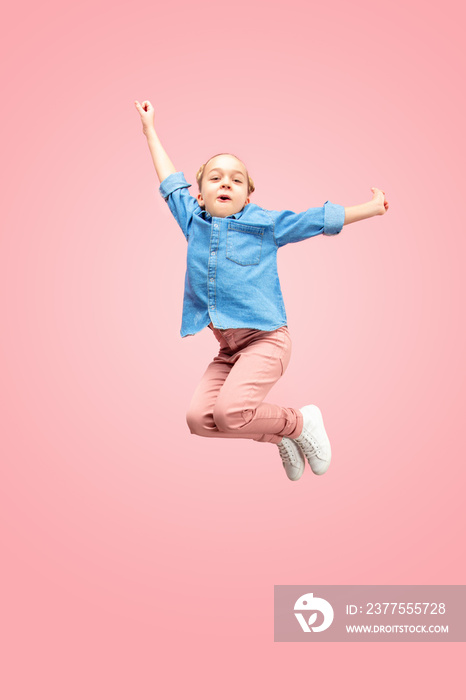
(379, 201)
(147, 115)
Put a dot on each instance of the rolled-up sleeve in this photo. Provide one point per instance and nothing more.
(290, 227)
(174, 190)
(334, 218)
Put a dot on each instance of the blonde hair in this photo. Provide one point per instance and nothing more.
(200, 172)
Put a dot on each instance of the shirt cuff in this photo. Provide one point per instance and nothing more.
(173, 182)
(334, 218)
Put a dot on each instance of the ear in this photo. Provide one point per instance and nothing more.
(200, 200)
(248, 200)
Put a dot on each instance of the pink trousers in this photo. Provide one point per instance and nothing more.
(229, 399)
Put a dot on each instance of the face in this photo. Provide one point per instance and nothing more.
(224, 188)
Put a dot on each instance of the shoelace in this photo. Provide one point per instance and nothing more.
(285, 451)
(309, 445)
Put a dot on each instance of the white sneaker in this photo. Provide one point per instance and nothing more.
(292, 458)
(314, 441)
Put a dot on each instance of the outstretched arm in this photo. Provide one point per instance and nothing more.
(163, 165)
(377, 205)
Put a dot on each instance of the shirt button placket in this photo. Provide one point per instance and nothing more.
(212, 271)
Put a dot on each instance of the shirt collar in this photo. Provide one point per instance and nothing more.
(207, 217)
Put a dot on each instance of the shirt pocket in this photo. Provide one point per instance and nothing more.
(244, 243)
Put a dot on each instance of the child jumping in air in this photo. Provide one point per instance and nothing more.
(232, 287)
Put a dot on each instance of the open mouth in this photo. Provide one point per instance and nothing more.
(224, 198)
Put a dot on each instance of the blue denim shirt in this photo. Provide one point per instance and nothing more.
(231, 277)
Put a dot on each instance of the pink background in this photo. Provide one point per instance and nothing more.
(139, 561)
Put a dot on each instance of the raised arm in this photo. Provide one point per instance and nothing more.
(377, 205)
(163, 165)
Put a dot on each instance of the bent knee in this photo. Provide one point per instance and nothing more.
(199, 423)
(194, 421)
